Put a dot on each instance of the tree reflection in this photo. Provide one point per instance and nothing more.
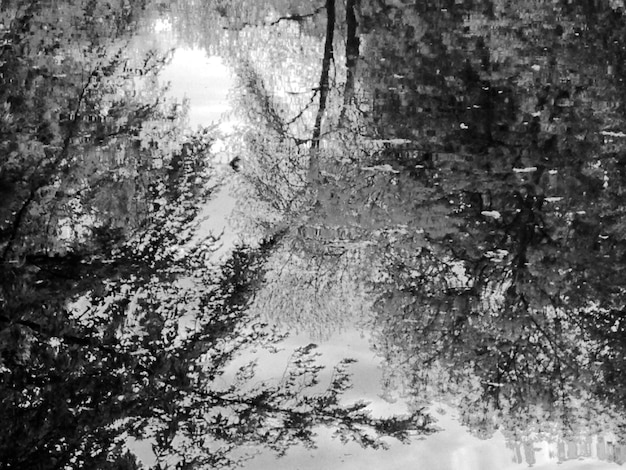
(470, 154)
(514, 310)
(454, 169)
(113, 322)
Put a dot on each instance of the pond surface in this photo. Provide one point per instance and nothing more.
(435, 189)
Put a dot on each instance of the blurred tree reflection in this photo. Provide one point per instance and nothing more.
(464, 162)
(113, 321)
(471, 153)
(511, 312)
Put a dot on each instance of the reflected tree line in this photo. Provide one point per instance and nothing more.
(468, 173)
(449, 174)
(114, 323)
(512, 303)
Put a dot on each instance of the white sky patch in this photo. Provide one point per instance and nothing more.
(201, 79)
(214, 216)
(205, 82)
(613, 134)
(162, 25)
(492, 214)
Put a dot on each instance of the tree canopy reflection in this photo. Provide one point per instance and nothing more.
(114, 324)
(449, 174)
(471, 163)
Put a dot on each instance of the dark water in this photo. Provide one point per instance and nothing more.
(448, 175)
(512, 176)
